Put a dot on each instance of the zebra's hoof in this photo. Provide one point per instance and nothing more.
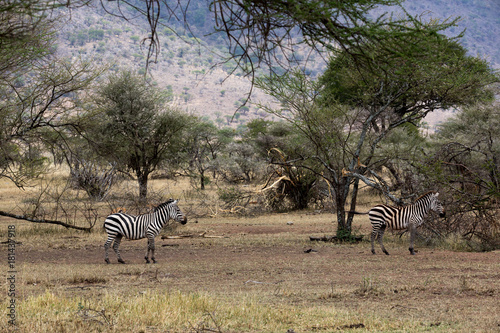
(154, 261)
(147, 260)
(373, 252)
(387, 253)
(107, 261)
(412, 252)
(121, 261)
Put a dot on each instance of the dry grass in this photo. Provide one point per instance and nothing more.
(256, 278)
(187, 312)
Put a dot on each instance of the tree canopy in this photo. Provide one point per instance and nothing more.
(135, 127)
(27, 30)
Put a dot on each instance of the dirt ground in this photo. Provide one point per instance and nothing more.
(273, 257)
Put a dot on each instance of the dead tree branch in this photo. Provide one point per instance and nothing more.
(34, 220)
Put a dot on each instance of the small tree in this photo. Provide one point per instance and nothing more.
(92, 178)
(135, 129)
(37, 111)
(203, 145)
(465, 162)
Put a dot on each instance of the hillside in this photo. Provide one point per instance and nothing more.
(187, 63)
(479, 18)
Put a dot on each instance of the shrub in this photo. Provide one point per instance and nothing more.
(93, 179)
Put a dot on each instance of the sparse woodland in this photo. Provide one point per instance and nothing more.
(98, 101)
(269, 121)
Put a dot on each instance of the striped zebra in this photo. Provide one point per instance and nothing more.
(399, 218)
(118, 225)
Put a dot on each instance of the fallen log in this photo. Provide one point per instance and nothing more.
(202, 235)
(322, 238)
(335, 239)
(177, 237)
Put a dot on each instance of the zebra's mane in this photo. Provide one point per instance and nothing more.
(163, 205)
(425, 194)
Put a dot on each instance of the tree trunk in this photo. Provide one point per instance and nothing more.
(202, 180)
(143, 185)
(354, 198)
(300, 196)
(343, 225)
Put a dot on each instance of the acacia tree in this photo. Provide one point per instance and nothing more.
(34, 85)
(133, 126)
(33, 111)
(204, 144)
(36, 106)
(398, 91)
(38, 93)
(352, 109)
(465, 161)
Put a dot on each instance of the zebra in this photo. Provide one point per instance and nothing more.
(399, 218)
(132, 227)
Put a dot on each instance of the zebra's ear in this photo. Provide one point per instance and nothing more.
(437, 194)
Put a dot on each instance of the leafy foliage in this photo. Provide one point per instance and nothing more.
(465, 162)
(134, 128)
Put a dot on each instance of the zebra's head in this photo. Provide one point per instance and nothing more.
(436, 205)
(173, 210)
(178, 216)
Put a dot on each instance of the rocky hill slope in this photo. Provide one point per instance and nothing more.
(189, 62)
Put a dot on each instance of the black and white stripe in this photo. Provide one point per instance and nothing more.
(120, 225)
(399, 218)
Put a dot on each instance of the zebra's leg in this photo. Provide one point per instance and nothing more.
(151, 247)
(116, 245)
(374, 234)
(380, 238)
(147, 254)
(412, 238)
(106, 248)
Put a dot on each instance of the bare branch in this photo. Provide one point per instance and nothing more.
(34, 220)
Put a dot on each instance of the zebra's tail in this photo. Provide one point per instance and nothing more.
(356, 213)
